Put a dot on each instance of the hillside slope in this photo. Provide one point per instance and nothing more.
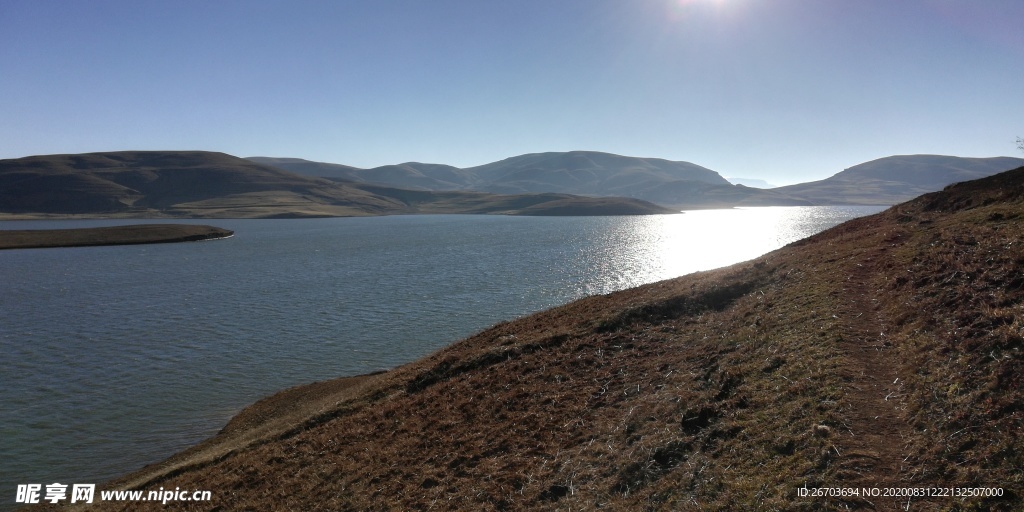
(409, 175)
(175, 184)
(898, 178)
(427, 202)
(309, 168)
(144, 184)
(885, 352)
(586, 172)
(678, 185)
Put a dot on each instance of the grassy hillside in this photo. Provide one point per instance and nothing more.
(584, 172)
(309, 168)
(174, 184)
(679, 185)
(886, 352)
(409, 176)
(141, 184)
(896, 179)
(420, 201)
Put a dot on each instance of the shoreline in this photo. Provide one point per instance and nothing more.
(272, 417)
(134, 234)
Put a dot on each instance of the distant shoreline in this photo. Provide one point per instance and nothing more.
(113, 235)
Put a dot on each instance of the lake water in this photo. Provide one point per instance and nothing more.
(115, 357)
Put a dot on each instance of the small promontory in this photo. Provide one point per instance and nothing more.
(112, 235)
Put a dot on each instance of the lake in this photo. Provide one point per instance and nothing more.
(116, 357)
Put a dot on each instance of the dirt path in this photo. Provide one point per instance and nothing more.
(872, 444)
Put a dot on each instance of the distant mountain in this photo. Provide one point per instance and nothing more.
(681, 185)
(308, 168)
(587, 173)
(751, 182)
(215, 185)
(574, 172)
(896, 179)
(677, 184)
(418, 176)
(410, 175)
(173, 183)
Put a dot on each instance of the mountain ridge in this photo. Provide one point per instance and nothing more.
(679, 184)
(171, 183)
(216, 185)
(204, 184)
(898, 178)
(675, 184)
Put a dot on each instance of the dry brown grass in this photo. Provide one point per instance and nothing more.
(723, 390)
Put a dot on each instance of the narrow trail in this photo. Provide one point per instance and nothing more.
(872, 443)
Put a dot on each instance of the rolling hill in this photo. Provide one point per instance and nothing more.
(216, 185)
(201, 184)
(172, 183)
(585, 172)
(679, 185)
(895, 179)
(674, 184)
(409, 176)
(884, 353)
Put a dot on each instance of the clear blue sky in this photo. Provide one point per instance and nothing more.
(782, 90)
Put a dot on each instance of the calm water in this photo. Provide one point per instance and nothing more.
(115, 357)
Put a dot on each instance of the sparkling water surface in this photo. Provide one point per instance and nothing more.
(117, 357)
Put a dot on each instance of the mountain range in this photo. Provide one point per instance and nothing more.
(674, 184)
(217, 185)
(681, 185)
(898, 178)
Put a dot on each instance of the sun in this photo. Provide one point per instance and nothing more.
(680, 8)
(687, 3)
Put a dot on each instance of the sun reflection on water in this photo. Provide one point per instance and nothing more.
(648, 249)
(291, 301)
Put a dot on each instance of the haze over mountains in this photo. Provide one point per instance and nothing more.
(675, 184)
(586, 173)
(751, 182)
(898, 178)
(217, 185)
(174, 183)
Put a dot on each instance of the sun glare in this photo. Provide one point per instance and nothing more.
(693, 3)
(683, 9)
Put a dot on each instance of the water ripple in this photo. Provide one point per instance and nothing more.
(116, 357)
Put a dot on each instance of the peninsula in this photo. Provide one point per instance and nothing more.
(113, 235)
